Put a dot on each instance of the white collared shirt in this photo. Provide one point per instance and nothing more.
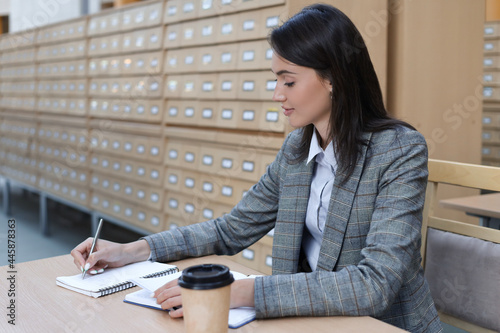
(319, 198)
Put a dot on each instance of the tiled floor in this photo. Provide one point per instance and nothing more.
(68, 227)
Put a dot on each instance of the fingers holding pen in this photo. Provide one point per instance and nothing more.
(80, 253)
(84, 261)
(105, 253)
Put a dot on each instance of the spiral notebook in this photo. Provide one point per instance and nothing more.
(237, 316)
(113, 280)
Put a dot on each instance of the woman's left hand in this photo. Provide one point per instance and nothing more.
(169, 296)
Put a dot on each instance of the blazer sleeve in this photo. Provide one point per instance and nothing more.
(391, 253)
(251, 219)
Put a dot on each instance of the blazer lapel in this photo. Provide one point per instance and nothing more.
(291, 218)
(339, 211)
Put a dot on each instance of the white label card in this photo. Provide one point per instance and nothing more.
(172, 85)
(189, 208)
(155, 221)
(154, 86)
(207, 113)
(207, 30)
(227, 28)
(189, 182)
(272, 116)
(248, 85)
(189, 86)
(207, 160)
(172, 10)
(248, 55)
(188, 33)
(172, 112)
(227, 163)
(226, 86)
(206, 4)
(172, 154)
(248, 115)
(269, 261)
(270, 85)
(248, 25)
(248, 166)
(188, 7)
(208, 187)
(272, 21)
(227, 191)
(206, 59)
(173, 203)
(208, 213)
(208, 86)
(487, 92)
(226, 57)
(172, 179)
(189, 157)
(227, 114)
(248, 254)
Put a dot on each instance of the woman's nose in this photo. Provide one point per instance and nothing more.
(278, 95)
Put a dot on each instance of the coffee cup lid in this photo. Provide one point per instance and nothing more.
(207, 276)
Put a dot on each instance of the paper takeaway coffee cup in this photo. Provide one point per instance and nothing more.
(205, 291)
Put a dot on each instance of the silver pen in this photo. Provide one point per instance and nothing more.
(98, 231)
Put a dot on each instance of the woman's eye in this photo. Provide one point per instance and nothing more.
(289, 84)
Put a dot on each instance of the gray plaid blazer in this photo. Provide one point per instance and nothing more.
(369, 262)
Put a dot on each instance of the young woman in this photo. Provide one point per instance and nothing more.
(344, 194)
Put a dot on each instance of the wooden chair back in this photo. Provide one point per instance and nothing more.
(468, 176)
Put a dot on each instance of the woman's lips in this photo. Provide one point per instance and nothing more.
(287, 112)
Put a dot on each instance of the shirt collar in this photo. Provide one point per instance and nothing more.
(314, 148)
(326, 156)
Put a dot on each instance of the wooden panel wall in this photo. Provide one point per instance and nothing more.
(435, 74)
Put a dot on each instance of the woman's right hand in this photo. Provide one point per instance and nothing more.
(108, 254)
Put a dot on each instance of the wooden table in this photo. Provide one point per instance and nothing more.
(42, 306)
(485, 206)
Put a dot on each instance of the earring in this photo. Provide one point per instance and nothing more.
(331, 94)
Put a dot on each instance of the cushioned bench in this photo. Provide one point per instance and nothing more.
(461, 260)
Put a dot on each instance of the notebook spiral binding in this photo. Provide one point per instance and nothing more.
(162, 273)
(125, 285)
(116, 288)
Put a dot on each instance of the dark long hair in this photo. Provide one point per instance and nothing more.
(323, 38)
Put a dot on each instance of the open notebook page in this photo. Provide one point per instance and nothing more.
(237, 317)
(92, 285)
